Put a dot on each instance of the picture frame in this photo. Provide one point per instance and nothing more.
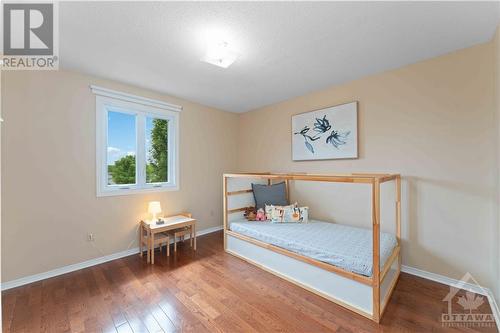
(326, 134)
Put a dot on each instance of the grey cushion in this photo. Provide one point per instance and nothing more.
(269, 195)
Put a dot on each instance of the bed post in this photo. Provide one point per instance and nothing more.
(224, 200)
(376, 249)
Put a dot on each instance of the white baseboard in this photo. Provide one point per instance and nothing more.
(444, 280)
(454, 282)
(88, 263)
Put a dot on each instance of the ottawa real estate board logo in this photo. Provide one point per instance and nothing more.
(30, 36)
(466, 305)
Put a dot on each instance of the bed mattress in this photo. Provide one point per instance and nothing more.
(344, 246)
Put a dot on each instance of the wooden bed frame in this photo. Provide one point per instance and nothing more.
(364, 295)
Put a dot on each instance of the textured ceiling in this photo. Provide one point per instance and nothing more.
(287, 48)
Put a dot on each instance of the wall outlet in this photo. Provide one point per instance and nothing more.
(90, 237)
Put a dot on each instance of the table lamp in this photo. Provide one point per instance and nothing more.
(154, 208)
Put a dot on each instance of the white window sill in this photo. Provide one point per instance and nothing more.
(132, 191)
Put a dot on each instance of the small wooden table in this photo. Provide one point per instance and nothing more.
(171, 223)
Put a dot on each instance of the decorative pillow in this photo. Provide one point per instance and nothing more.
(269, 195)
(302, 214)
(287, 214)
(276, 214)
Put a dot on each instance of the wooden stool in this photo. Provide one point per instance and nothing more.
(181, 233)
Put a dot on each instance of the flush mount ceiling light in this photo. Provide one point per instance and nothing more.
(220, 54)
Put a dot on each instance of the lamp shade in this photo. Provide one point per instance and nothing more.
(154, 207)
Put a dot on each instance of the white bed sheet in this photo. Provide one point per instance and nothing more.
(344, 246)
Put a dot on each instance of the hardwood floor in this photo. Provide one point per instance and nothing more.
(207, 291)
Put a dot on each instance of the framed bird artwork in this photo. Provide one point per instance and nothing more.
(329, 133)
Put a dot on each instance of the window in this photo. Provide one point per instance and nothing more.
(137, 144)
(121, 148)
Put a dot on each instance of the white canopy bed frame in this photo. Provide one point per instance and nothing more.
(365, 295)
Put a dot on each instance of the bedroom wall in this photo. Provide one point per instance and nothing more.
(433, 122)
(49, 201)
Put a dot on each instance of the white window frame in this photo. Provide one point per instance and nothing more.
(142, 108)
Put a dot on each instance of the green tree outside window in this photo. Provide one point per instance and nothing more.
(123, 171)
(157, 166)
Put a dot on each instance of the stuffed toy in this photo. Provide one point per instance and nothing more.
(261, 216)
(250, 214)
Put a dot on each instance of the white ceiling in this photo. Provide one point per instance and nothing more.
(287, 48)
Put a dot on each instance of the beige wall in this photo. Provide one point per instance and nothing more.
(433, 122)
(48, 171)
